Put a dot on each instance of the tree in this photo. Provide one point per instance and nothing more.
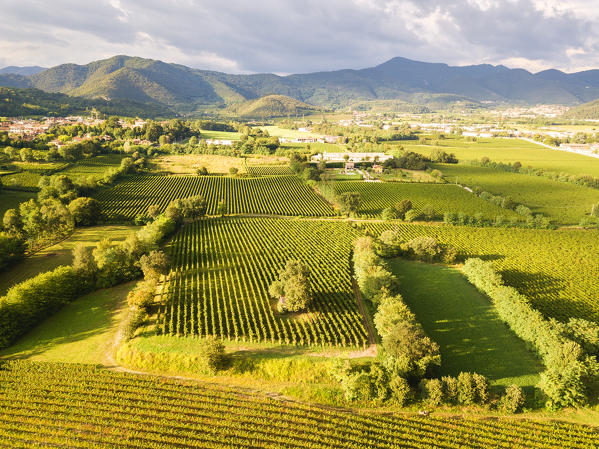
(85, 211)
(194, 206)
(193, 141)
(410, 352)
(233, 171)
(350, 202)
(425, 248)
(402, 207)
(154, 264)
(84, 262)
(513, 399)
(428, 212)
(12, 221)
(202, 171)
(153, 211)
(389, 213)
(292, 289)
(222, 209)
(26, 155)
(142, 295)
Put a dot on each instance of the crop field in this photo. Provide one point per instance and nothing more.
(560, 201)
(222, 270)
(557, 270)
(269, 170)
(68, 405)
(25, 180)
(443, 197)
(281, 195)
(510, 151)
(94, 167)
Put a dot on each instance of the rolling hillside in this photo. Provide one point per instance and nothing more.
(30, 102)
(586, 111)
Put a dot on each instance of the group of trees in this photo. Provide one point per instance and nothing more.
(107, 264)
(426, 249)
(404, 210)
(569, 350)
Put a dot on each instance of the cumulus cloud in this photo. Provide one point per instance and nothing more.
(291, 36)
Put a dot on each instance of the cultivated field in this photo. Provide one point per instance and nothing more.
(269, 170)
(93, 167)
(281, 195)
(58, 405)
(557, 270)
(509, 151)
(222, 270)
(560, 201)
(443, 197)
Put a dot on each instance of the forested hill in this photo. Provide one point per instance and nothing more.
(586, 111)
(31, 102)
(187, 89)
(273, 106)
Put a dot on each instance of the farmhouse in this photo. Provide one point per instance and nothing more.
(353, 157)
(377, 168)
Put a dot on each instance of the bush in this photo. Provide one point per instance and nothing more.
(154, 264)
(450, 389)
(425, 248)
(410, 353)
(142, 295)
(12, 249)
(389, 213)
(513, 399)
(358, 387)
(411, 215)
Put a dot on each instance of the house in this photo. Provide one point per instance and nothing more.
(350, 165)
(377, 168)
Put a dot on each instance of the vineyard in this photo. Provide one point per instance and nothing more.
(557, 270)
(222, 270)
(268, 170)
(563, 202)
(71, 405)
(25, 180)
(94, 167)
(281, 195)
(443, 197)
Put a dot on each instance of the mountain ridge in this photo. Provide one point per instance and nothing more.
(187, 90)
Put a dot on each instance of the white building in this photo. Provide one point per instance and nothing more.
(352, 157)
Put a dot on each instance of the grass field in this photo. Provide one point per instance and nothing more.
(562, 202)
(65, 405)
(465, 325)
(60, 254)
(443, 197)
(222, 270)
(557, 270)
(509, 151)
(289, 133)
(281, 195)
(10, 199)
(190, 163)
(220, 135)
(81, 332)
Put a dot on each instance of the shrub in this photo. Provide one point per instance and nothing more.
(411, 215)
(425, 248)
(357, 386)
(450, 389)
(410, 352)
(389, 213)
(12, 249)
(142, 295)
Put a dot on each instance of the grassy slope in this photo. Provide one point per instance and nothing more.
(10, 199)
(512, 150)
(563, 202)
(464, 323)
(60, 254)
(224, 135)
(81, 332)
(95, 166)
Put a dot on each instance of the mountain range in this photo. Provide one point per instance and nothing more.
(188, 90)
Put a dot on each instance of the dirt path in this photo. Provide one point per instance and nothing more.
(371, 350)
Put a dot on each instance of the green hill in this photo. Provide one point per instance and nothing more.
(273, 106)
(34, 102)
(586, 111)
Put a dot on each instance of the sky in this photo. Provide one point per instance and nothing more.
(300, 36)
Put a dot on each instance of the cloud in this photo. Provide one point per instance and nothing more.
(291, 36)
